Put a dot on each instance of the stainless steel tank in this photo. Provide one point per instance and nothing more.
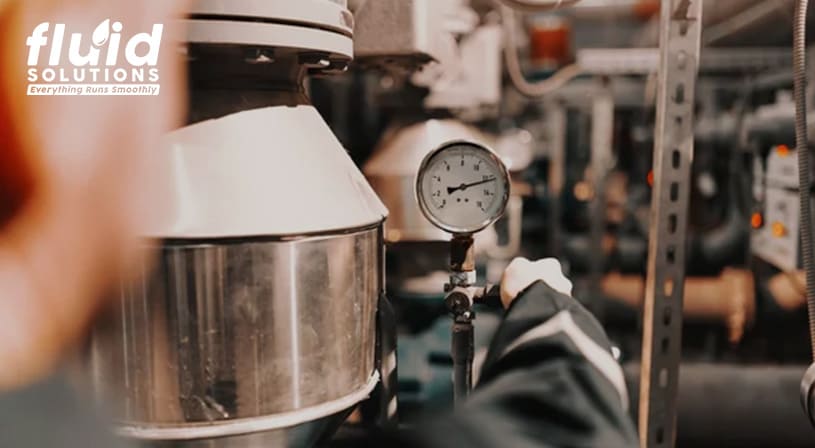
(234, 337)
(257, 325)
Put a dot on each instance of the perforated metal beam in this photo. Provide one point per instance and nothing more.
(680, 33)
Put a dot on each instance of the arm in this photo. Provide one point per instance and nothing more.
(549, 380)
(550, 377)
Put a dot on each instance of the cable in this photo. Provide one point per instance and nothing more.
(536, 89)
(802, 145)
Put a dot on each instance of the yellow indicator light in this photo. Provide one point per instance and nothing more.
(779, 230)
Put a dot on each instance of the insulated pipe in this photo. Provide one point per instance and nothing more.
(625, 253)
(724, 244)
(736, 405)
(788, 290)
(729, 298)
(714, 248)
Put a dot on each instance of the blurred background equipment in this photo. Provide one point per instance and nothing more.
(652, 146)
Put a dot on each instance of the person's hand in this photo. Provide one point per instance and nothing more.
(75, 182)
(521, 273)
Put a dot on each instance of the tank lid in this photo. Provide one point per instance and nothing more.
(276, 171)
(324, 26)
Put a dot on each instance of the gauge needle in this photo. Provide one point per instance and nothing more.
(462, 187)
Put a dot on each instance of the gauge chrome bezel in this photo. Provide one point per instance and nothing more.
(423, 168)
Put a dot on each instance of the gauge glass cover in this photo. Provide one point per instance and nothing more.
(462, 187)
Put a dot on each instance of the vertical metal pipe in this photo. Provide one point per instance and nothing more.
(462, 352)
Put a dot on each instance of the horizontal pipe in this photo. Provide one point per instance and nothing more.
(712, 250)
(728, 298)
(738, 405)
(614, 10)
(788, 290)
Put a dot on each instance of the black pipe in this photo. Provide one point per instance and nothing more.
(734, 405)
(628, 255)
(711, 250)
(462, 351)
(722, 246)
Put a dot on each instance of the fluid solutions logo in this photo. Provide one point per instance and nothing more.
(99, 66)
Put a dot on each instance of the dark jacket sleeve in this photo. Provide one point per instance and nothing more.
(549, 380)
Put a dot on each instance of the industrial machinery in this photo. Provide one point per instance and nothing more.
(259, 324)
(462, 188)
(687, 232)
(654, 153)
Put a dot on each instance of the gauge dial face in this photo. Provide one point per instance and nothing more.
(462, 187)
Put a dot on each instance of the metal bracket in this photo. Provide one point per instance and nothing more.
(680, 36)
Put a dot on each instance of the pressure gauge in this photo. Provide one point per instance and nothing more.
(462, 187)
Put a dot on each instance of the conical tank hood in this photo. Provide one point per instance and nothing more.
(276, 171)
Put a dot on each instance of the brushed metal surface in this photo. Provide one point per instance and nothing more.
(237, 329)
(303, 435)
